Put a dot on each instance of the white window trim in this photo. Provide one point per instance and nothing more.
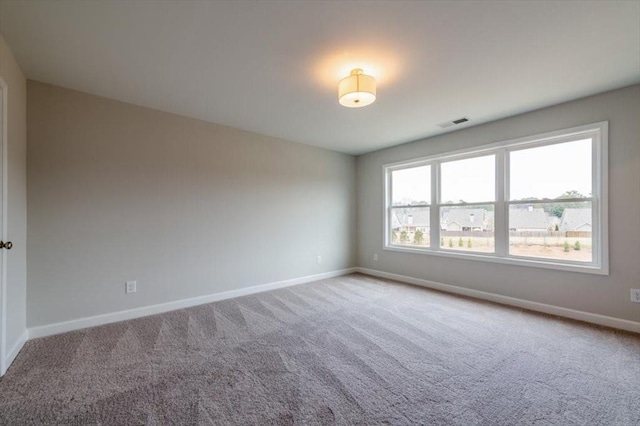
(600, 201)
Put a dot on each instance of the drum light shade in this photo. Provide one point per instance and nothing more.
(357, 90)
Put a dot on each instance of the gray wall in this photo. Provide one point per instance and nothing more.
(17, 194)
(187, 208)
(606, 295)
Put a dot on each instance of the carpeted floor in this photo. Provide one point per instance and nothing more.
(348, 350)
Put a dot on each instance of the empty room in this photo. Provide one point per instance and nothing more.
(319, 212)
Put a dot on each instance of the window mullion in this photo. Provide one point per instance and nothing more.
(388, 177)
(434, 211)
(500, 225)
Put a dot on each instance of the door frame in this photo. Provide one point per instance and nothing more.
(3, 226)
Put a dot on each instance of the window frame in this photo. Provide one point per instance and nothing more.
(598, 132)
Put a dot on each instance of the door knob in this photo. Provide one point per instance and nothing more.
(6, 245)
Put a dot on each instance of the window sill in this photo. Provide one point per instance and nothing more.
(512, 260)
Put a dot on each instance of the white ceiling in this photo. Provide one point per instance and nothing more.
(272, 67)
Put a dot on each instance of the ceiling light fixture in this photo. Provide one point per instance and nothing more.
(357, 90)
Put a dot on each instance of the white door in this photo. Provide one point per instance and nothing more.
(3, 227)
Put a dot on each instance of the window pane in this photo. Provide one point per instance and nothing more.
(468, 181)
(549, 172)
(410, 226)
(552, 231)
(411, 186)
(467, 228)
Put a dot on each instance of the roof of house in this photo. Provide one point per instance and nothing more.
(404, 217)
(574, 218)
(523, 218)
(465, 217)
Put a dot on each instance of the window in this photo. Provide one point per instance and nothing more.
(410, 214)
(538, 201)
(467, 209)
(561, 227)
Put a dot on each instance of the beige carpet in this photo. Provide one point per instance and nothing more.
(348, 350)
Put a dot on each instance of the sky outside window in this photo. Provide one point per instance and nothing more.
(551, 171)
(471, 180)
(411, 186)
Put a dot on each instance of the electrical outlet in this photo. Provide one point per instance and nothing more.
(319, 259)
(375, 257)
(635, 295)
(130, 287)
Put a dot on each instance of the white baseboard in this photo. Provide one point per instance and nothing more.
(612, 322)
(77, 324)
(13, 353)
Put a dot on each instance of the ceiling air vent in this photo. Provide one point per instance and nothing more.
(453, 122)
